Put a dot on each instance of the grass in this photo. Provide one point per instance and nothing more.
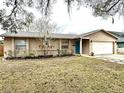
(121, 53)
(61, 75)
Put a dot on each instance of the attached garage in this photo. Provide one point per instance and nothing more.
(102, 47)
(100, 42)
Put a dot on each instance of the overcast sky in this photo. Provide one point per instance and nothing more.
(81, 21)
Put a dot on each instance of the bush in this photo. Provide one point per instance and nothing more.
(9, 53)
(64, 52)
(31, 54)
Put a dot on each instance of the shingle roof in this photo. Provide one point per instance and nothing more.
(37, 35)
(89, 33)
(120, 35)
(57, 35)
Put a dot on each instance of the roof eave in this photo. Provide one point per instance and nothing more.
(111, 34)
(39, 37)
(103, 31)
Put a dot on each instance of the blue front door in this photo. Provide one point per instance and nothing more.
(77, 47)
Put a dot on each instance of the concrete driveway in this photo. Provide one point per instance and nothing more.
(113, 58)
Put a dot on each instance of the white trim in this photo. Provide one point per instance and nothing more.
(70, 47)
(60, 44)
(13, 47)
(92, 32)
(81, 46)
(90, 47)
(115, 47)
(27, 45)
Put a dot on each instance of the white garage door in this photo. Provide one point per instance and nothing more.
(102, 47)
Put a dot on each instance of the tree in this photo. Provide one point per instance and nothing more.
(102, 8)
(15, 16)
(106, 8)
(19, 17)
(45, 28)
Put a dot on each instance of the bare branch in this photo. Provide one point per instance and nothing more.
(113, 6)
(47, 7)
(15, 6)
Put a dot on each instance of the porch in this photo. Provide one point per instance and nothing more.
(82, 46)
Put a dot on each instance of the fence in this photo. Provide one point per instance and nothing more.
(1, 49)
(120, 50)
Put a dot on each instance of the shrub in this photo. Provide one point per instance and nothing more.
(31, 54)
(63, 52)
(9, 53)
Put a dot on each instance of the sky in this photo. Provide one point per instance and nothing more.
(80, 21)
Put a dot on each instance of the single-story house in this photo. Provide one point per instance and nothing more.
(23, 43)
(120, 41)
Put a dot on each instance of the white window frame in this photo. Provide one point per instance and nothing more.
(23, 43)
(65, 43)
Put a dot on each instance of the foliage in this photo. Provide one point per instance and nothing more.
(61, 75)
(106, 7)
(45, 28)
(100, 7)
(19, 17)
(9, 53)
(64, 52)
(1, 41)
(31, 54)
(14, 16)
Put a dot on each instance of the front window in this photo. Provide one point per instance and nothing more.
(20, 44)
(65, 44)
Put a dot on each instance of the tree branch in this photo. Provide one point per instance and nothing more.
(15, 6)
(113, 6)
(69, 6)
(47, 6)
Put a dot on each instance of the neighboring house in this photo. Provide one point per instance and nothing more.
(98, 42)
(120, 41)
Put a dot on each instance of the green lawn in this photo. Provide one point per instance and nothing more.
(61, 75)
